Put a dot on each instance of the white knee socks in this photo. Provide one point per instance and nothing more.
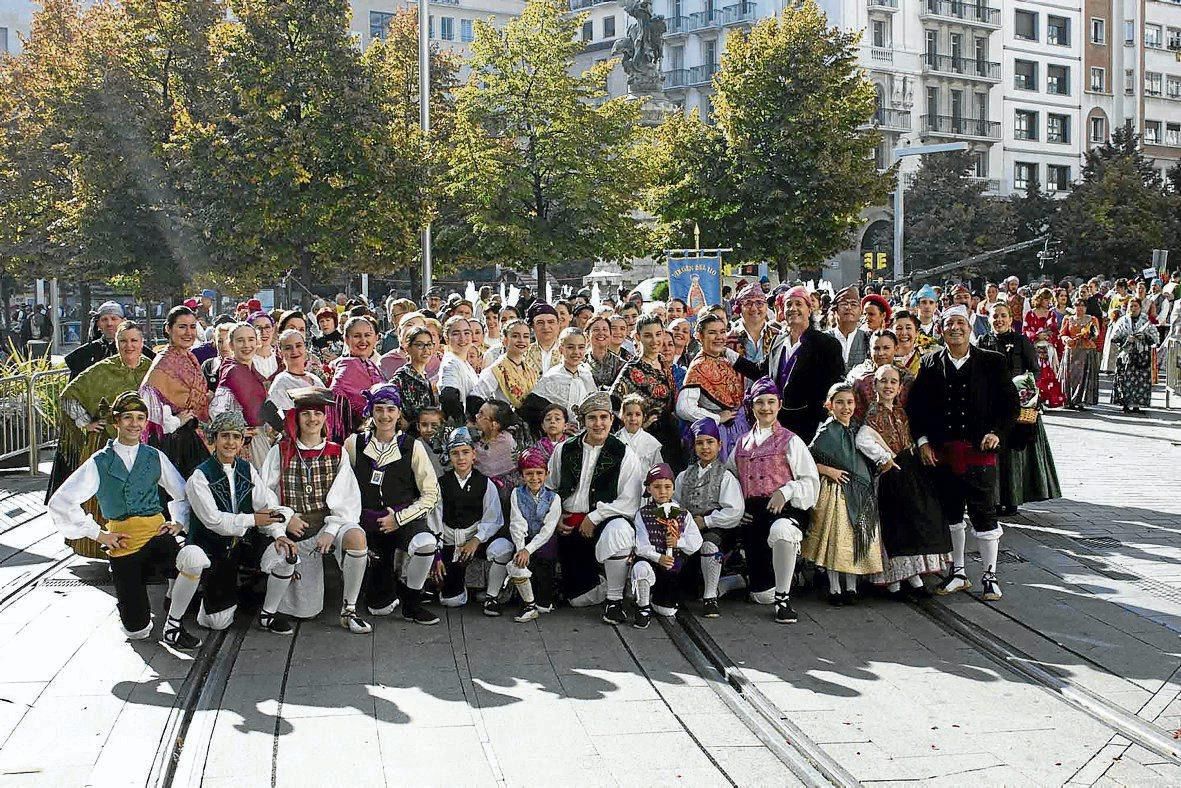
(959, 535)
(352, 568)
(783, 561)
(989, 550)
(711, 569)
(525, 589)
(850, 581)
(183, 588)
(915, 582)
(418, 566)
(497, 573)
(616, 568)
(277, 586)
(643, 593)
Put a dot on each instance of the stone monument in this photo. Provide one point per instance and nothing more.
(641, 52)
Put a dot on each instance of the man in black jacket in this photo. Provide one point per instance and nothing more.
(803, 361)
(961, 407)
(105, 320)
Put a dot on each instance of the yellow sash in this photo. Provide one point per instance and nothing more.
(139, 531)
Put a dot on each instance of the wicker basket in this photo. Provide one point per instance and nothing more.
(1027, 416)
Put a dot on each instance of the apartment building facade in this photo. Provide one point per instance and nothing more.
(1133, 60)
(450, 24)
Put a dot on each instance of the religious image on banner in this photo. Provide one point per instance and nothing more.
(696, 280)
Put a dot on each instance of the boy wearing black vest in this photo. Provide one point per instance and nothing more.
(229, 498)
(598, 479)
(126, 476)
(398, 488)
(468, 516)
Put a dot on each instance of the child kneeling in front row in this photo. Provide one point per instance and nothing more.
(528, 559)
(666, 534)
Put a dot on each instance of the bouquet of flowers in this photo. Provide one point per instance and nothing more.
(1027, 397)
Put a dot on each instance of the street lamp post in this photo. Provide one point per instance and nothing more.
(899, 154)
(424, 120)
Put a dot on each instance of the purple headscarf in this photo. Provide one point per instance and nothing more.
(760, 387)
(705, 426)
(381, 394)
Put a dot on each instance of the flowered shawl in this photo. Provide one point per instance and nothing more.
(717, 378)
(179, 383)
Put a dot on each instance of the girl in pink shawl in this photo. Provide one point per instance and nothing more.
(355, 372)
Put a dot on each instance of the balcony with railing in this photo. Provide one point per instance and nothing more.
(963, 67)
(676, 26)
(704, 20)
(888, 6)
(958, 126)
(575, 5)
(972, 14)
(701, 75)
(739, 14)
(676, 78)
(892, 119)
(881, 55)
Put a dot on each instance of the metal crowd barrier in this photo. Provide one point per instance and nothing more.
(1172, 369)
(28, 414)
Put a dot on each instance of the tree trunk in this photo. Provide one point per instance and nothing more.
(539, 290)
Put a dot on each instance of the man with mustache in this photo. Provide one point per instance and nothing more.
(961, 407)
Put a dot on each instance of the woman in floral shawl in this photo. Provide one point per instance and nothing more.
(1135, 338)
(713, 388)
(647, 376)
(177, 395)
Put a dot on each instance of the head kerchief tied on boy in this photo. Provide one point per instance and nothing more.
(598, 400)
(381, 394)
(459, 437)
(960, 288)
(848, 294)
(926, 291)
(539, 308)
(880, 302)
(226, 421)
(110, 308)
(531, 459)
(312, 398)
(659, 471)
(959, 310)
(757, 389)
(705, 426)
(129, 402)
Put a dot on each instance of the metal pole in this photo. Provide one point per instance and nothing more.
(898, 228)
(424, 119)
(54, 315)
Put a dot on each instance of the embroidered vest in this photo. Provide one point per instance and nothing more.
(122, 493)
(463, 507)
(604, 484)
(217, 545)
(657, 527)
(534, 509)
(304, 485)
(763, 469)
(398, 489)
(702, 489)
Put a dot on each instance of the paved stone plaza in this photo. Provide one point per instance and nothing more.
(889, 692)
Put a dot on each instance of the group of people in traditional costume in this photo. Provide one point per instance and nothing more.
(626, 455)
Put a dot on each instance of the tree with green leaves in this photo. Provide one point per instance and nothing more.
(304, 164)
(543, 168)
(1118, 213)
(790, 166)
(948, 217)
(92, 101)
